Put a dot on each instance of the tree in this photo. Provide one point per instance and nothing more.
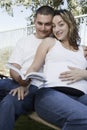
(33, 4)
(84, 6)
(77, 7)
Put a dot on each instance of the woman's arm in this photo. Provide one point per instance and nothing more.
(40, 55)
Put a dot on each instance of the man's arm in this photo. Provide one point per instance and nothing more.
(21, 91)
(13, 73)
(85, 51)
(16, 76)
(73, 75)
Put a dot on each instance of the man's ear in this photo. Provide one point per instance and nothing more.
(84, 47)
(34, 19)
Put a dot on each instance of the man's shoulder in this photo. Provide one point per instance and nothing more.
(25, 39)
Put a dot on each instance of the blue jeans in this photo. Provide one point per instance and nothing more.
(65, 111)
(5, 86)
(10, 107)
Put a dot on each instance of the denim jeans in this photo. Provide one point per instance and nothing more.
(65, 111)
(5, 86)
(10, 107)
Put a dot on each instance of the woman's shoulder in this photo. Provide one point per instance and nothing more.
(50, 40)
(47, 43)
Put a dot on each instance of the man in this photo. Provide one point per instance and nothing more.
(22, 57)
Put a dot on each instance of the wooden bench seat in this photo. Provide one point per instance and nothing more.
(35, 117)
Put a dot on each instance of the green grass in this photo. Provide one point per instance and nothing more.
(23, 123)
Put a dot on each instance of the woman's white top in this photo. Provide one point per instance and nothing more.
(57, 61)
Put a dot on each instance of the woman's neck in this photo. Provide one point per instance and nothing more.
(66, 45)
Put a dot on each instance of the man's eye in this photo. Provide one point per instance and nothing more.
(53, 26)
(48, 24)
(40, 23)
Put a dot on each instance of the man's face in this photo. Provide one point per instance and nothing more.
(43, 25)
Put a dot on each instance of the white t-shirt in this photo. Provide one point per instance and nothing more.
(24, 53)
(57, 61)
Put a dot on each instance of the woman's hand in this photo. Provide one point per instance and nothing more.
(21, 92)
(73, 75)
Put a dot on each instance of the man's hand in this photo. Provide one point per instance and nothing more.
(17, 77)
(85, 51)
(23, 82)
(21, 92)
(73, 75)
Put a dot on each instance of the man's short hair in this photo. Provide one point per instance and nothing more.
(45, 10)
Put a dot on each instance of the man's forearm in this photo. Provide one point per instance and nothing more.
(85, 74)
(14, 75)
(18, 79)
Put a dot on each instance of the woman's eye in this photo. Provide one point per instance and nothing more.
(61, 24)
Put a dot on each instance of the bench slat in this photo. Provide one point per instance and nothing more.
(35, 117)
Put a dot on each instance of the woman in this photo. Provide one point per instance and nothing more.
(63, 51)
(59, 103)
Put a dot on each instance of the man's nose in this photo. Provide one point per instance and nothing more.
(43, 27)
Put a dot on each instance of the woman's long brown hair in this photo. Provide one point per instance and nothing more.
(73, 35)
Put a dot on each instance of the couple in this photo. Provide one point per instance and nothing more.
(57, 103)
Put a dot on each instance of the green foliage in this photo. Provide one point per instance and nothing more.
(83, 3)
(33, 4)
(76, 7)
(7, 5)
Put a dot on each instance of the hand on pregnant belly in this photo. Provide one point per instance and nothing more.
(73, 75)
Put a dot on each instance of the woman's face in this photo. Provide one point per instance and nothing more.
(60, 28)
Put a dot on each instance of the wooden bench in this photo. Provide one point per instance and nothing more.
(34, 115)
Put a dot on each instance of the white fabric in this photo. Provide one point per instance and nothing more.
(57, 60)
(24, 53)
